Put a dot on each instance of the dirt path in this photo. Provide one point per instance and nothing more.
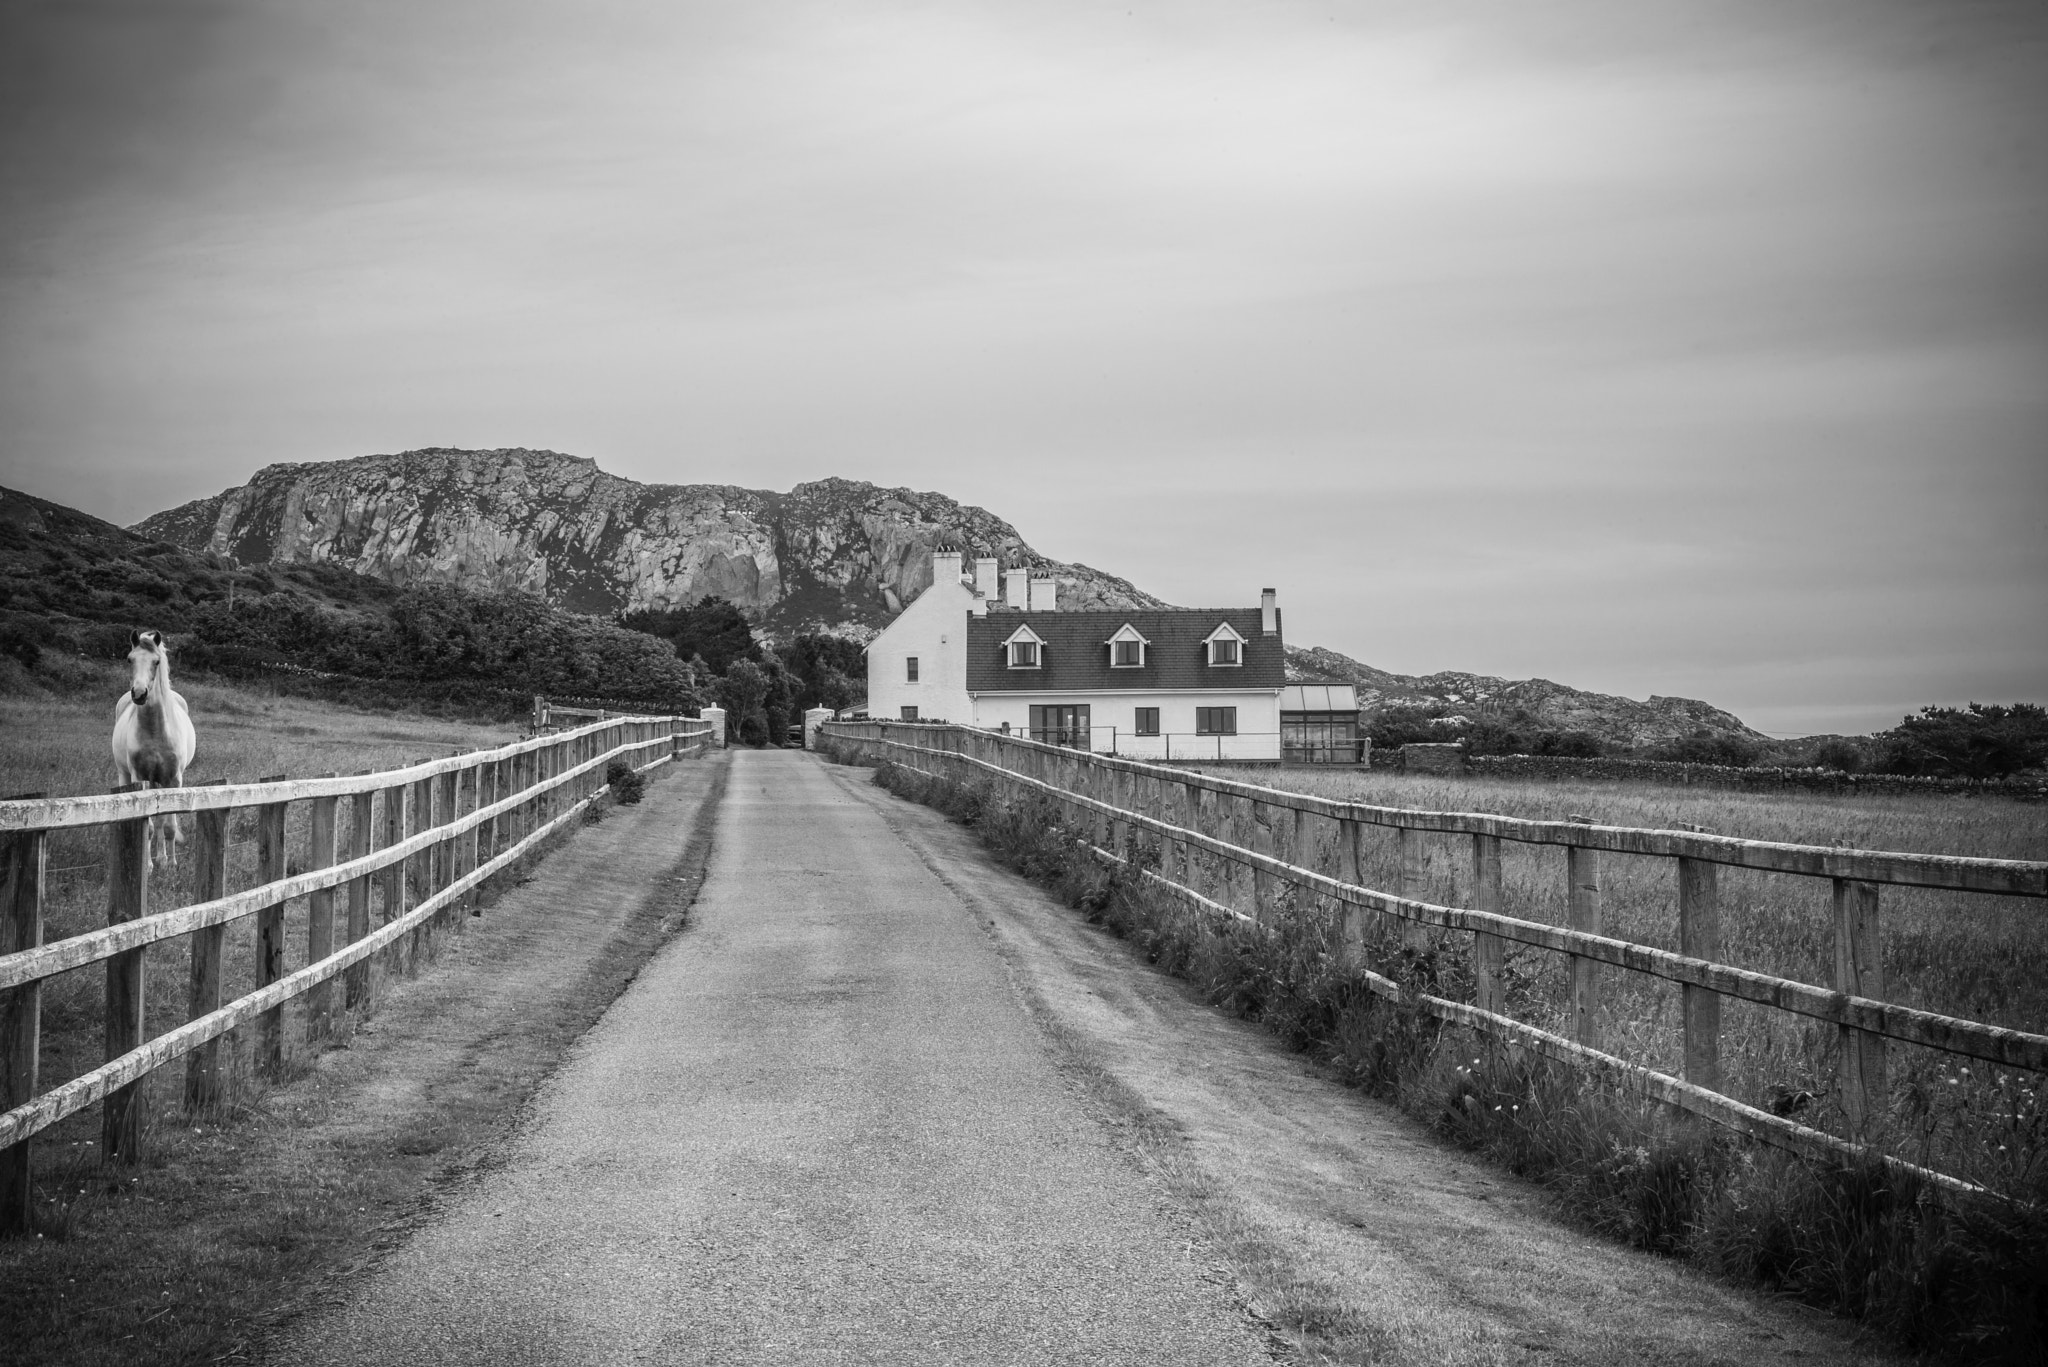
(1334, 1208)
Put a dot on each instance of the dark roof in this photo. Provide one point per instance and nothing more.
(1077, 660)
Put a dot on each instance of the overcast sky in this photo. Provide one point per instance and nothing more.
(1685, 348)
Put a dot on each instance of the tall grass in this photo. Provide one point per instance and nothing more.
(1968, 1281)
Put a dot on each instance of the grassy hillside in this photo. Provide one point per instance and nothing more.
(73, 587)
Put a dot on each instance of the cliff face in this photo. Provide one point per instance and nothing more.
(1554, 706)
(837, 554)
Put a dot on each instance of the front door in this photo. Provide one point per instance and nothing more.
(1061, 724)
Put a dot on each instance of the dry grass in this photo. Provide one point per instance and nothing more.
(1957, 953)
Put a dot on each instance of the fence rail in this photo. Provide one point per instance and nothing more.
(1175, 810)
(428, 835)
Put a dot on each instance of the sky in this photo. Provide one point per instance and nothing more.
(1683, 348)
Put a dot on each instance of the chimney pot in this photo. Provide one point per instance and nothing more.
(1044, 593)
(1014, 592)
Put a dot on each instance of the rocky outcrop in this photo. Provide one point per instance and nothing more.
(1550, 706)
(837, 555)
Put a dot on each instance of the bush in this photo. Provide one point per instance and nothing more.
(1708, 747)
(627, 783)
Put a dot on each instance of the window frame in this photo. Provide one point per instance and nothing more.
(1206, 719)
(907, 712)
(1020, 637)
(910, 669)
(1145, 722)
(1127, 636)
(1224, 632)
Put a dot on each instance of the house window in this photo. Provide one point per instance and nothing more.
(1023, 654)
(910, 714)
(1223, 651)
(1216, 721)
(1148, 721)
(1127, 654)
(910, 669)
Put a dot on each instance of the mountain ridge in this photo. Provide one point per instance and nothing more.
(835, 555)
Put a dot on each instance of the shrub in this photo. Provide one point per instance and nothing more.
(627, 783)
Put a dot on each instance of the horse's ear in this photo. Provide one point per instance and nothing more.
(135, 638)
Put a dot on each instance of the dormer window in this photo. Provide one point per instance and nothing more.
(1225, 647)
(1127, 648)
(1025, 649)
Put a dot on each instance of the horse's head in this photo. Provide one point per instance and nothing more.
(145, 663)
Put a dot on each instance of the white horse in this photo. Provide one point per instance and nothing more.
(153, 736)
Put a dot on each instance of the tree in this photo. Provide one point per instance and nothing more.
(1975, 742)
(713, 629)
(1836, 753)
(742, 692)
(823, 665)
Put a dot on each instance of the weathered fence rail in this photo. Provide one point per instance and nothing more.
(1176, 810)
(426, 835)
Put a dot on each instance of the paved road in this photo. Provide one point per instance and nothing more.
(821, 1127)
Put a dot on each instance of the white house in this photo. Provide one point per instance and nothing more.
(1172, 683)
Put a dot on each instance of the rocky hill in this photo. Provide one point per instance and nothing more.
(1550, 706)
(838, 555)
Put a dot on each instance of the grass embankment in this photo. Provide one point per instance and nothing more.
(233, 1214)
(1969, 1284)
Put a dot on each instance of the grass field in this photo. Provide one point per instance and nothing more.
(57, 742)
(1959, 954)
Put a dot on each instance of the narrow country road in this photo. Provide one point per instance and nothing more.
(821, 1127)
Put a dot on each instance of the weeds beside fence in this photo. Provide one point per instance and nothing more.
(413, 845)
(1375, 983)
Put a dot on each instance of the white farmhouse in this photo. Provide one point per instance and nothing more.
(1159, 683)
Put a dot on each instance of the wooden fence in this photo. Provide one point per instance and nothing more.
(1172, 812)
(427, 835)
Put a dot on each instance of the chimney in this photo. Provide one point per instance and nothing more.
(1013, 587)
(1269, 612)
(946, 565)
(1044, 593)
(986, 581)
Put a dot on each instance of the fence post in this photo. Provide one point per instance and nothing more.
(209, 944)
(270, 866)
(320, 917)
(420, 873)
(469, 845)
(1351, 870)
(447, 796)
(1859, 972)
(1189, 873)
(1582, 873)
(1408, 863)
(355, 982)
(24, 862)
(127, 899)
(1263, 838)
(1699, 935)
(1489, 951)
